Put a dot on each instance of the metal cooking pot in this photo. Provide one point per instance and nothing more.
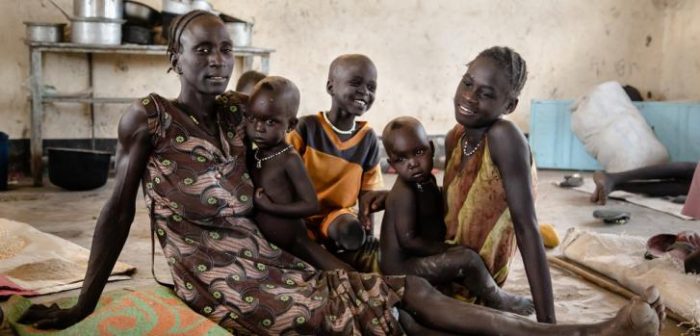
(136, 34)
(166, 20)
(176, 6)
(202, 5)
(96, 31)
(241, 33)
(107, 9)
(44, 32)
(140, 14)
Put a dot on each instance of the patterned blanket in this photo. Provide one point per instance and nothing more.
(151, 310)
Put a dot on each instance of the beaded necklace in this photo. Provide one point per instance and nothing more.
(337, 130)
(466, 144)
(265, 158)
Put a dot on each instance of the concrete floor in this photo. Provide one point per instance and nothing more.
(72, 215)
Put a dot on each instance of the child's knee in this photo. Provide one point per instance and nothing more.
(418, 292)
(472, 256)
(463, 254)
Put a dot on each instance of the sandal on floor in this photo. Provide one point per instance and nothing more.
(676, 199)
(571, 181)
(692, 262)
(683, 247)
(612, 216)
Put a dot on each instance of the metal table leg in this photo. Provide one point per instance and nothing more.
(36, 146)
(265, 63)
(247, 63)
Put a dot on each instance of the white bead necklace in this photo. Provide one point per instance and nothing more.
(337, 130)
(466, 144)
(263, 159)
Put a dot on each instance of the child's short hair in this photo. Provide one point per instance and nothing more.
(250, 77)
(285, 92)
(342, 59)
(397, 124)
(512, 63)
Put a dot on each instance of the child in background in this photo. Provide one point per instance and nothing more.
(666, 179)
(284, 194)
(341, 155)
(413, 230)
(247, 81)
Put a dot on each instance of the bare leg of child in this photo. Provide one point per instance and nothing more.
(347, 232)
(669, 179)
(411, 327)
(462, 264)
(435, 311)
(312, 252)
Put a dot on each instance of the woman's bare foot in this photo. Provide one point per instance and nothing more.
(640, 317)
(504, 301)
(603, 187)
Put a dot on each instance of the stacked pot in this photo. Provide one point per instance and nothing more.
(141, 20)
(97, 22)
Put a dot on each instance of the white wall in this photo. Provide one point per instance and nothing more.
(419, 46)
(680, 78)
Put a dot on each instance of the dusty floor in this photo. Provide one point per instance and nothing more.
(71, 215)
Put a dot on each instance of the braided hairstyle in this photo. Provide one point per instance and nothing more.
(177, 27)
(513, 65)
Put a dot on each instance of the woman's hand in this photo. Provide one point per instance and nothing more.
(53, 316)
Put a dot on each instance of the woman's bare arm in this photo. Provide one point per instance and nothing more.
(511, 154)
(113, 224)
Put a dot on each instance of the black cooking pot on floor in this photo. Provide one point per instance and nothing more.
(78, 169)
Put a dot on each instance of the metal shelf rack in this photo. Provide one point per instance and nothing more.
(39, 97)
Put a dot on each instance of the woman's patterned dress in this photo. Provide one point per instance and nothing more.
(199, 194)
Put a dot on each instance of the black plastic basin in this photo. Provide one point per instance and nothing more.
(78, 169)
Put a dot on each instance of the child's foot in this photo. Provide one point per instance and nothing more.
(502, 300)
(639, 317)
(603, 187)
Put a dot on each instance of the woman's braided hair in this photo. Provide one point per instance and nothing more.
(177, 27)
(512, 63)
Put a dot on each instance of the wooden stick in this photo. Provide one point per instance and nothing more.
(603, 281)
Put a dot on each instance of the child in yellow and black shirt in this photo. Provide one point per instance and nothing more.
(341, 154)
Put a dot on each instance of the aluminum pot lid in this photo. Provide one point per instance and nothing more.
(104, 20)
(47, 24)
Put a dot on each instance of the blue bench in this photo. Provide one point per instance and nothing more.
(554, 145)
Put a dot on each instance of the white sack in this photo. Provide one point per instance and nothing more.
(613, 131)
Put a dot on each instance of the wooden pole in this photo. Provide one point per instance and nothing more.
(603, 281)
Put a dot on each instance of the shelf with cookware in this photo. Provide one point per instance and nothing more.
(41, 96)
